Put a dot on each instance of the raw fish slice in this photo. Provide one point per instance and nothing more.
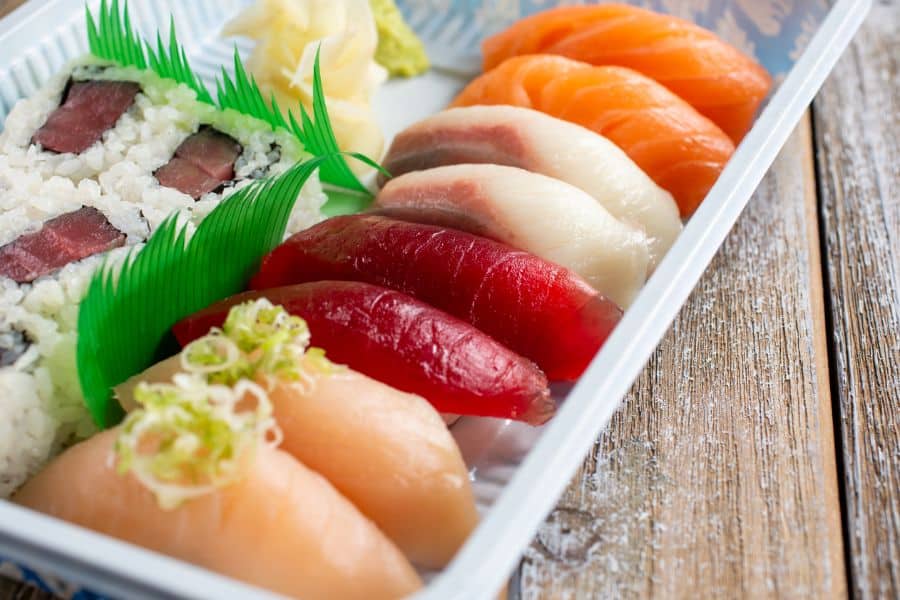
(531, 140)
(202, 163)
(282, 526)
(680, 149)
(717, 79)
(406, 344)
(186, 177)
(532, 212)
(211, 151)
(388, 452)
(64, 239)
(540, 310)
(87, 111)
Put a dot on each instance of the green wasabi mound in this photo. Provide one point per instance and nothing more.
(399, 50)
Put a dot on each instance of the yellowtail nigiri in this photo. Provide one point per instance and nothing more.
(281, 526)
(387, 451)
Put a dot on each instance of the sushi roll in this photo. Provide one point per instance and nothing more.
(90, 166)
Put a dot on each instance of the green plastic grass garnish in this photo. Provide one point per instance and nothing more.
(125, 318)
(173, 64)
(113, 38)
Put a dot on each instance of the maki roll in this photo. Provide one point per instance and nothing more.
(90, 166)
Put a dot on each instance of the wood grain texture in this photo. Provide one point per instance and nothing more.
(717, 475)
(857, 122)
(7, 6)
(12, 590)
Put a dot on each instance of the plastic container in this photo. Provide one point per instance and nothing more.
(518, 471)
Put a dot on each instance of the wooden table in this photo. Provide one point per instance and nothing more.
(758, 454)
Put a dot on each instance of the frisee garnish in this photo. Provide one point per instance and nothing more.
(191, 437)
(125, 319)
(112, 37)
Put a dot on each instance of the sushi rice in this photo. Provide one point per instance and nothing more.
(41, 406)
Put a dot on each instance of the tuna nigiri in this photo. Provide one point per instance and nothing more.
(406, 344)
(538, 309)
(281, 526)
(680, 149)
(542, 215)
(714, 77)
(387, 451)
(531, 140)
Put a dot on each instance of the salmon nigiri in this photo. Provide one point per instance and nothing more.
(387, 451)
(717, 79)
(680, 149)
(281, 526)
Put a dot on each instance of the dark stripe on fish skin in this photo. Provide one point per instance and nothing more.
(203, 163)
(62, 240)
(88, 109)
(424, 146)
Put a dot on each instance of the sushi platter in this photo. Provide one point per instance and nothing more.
(329, 299)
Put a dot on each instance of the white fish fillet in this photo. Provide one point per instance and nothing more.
(531, 140)
(533, 212)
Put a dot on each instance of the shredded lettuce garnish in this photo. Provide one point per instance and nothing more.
(191, 437)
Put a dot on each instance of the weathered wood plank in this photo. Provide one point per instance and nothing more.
(718, 473)
(11, 590)
(857, 122)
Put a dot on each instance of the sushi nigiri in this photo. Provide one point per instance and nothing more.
(281, 526)
(387, 451)
(532, 212)
(717, 79)
(538, 309)
(680, 149)
(531, 140)
(406, 344)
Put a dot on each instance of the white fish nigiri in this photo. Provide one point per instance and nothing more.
(532, 140)
(533, 212)
(281, 526)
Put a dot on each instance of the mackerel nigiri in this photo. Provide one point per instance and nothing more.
(542, 215)
(406, 344)
(281, 526)
(538, 309)
(717, 79)
(534, 141)
(680, 149)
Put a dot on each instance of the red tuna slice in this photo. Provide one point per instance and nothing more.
(62, 240)
(406, 344)
(212, 152)
(186, 178)
(202, 163)
(88, 110)
(540, 310)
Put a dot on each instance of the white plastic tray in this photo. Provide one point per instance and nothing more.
(518, 471)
